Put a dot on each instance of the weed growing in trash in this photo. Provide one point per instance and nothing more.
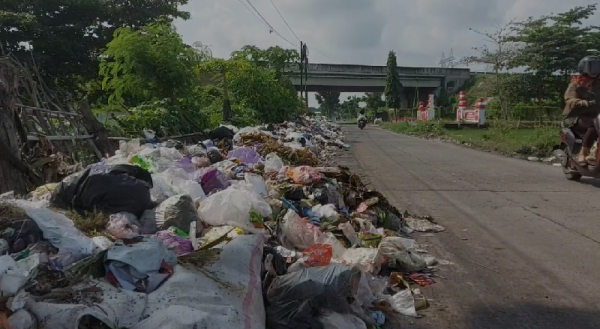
(92, 223)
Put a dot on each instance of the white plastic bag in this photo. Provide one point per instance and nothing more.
(232, 207)
(403, 302)
(350, 233)
(273, 162)
(123, 225)
(396, 248)
(326, 211)
(367, 259)
(257, 184)
(298, 233)
(179, 211)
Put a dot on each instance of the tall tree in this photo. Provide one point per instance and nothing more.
(499, 57)
(374, 100)
(67, 37)
(393, 87)
(275, 58)
(555, 44)
(329, 102)
(151, 63)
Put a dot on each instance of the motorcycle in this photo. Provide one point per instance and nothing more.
(567, 152)
(362, 122)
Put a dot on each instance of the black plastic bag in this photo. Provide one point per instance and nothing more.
(296, 299)
(124, 188)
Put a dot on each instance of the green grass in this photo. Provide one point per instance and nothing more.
(499, 137)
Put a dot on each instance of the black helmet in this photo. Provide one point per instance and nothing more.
(589, 65)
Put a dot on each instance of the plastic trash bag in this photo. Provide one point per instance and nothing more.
(246, 155)
(214, 155)
(327, 211)
(304, 175)
(141, 266)
(403, 302)
(367, 259)
(257, 184)
(123, 225)
(180, 246)
(174, 181)
(295, 298)
(178, 211)
(232, 207)
(297, 232)
(273, 163)
(398, 248)
(211, 180)
(124, 188)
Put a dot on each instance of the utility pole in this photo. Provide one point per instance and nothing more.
(304, 59)
(301, 68)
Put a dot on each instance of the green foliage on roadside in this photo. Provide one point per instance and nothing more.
(500, 136)
(149, 64)
(68, 36)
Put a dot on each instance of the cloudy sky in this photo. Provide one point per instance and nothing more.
(359, 31)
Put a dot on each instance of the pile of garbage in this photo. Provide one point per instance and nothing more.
(249, 230)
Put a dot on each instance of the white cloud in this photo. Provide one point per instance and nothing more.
(360, 31)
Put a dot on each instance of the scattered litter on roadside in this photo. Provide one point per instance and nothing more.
(182, 236)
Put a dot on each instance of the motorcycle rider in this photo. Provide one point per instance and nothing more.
(361, 114)
(582, 105)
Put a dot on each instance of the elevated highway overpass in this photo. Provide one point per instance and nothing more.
(418, 82)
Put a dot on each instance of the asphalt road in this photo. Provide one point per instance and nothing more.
(521, 246)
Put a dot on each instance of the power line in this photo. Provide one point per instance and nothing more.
(286, 23)
(250, 10)
(258, 16)
(269, 25)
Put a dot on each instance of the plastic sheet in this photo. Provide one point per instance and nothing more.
(59, 230)
(232, 207)
(141, 266)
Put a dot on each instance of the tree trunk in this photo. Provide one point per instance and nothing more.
(97, 129)
(13, 172)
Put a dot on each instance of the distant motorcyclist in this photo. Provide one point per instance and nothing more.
(582, 97)
(361, 114)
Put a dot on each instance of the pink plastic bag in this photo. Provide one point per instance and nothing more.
(304, 175)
